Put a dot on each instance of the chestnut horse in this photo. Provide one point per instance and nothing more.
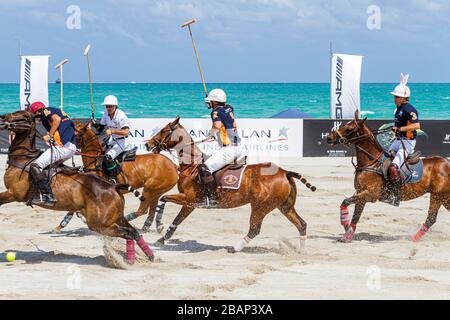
(369, 183)
(156, 173)
(99, 201)
(264, 186)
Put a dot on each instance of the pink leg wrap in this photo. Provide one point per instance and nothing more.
(345, 218)
(420, 234)
(130, 252)
(145, 247)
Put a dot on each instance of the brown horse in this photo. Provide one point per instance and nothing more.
(156, 173)
(369, 183)
(264, 186)
(97, 200)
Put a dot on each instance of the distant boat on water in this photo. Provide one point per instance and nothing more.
(58, 81)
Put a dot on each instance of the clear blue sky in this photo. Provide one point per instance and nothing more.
(238, 40)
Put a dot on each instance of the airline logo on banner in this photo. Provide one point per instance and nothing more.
(345, 86)
(33, 80)
(261, 138)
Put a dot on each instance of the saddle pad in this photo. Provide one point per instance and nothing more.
(412, 173)
(231, 179)
(409, 173)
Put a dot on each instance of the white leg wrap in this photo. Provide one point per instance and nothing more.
(241, 244)
(303, 244)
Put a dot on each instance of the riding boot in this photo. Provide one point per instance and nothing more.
(46, 194)
(110, 168)
(209, 185)
(395, 184)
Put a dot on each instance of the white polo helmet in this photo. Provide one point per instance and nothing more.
(402, 89)
(217, 95)
(110, 101)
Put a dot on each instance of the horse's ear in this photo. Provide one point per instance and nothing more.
(364, 120)
(356, 114)
(89, 125)
(77, 122)
(177, 119)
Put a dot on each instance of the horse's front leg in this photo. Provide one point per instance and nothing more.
(64, 222)
(6, 197)
(360, 201)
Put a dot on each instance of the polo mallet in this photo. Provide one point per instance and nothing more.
(61, 81)
(86, 54)
(188, 24)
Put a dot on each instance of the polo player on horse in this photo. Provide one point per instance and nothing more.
(117, 128)
(406, 126)
(61, 138)
(224, 130)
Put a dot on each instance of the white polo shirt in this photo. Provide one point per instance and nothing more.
(119, 121)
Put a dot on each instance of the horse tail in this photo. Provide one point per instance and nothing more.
(298, 176)
(127, 187)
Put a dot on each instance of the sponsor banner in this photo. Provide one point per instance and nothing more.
(261, 138)
(33, 80)
(345, 85)
(315, 133)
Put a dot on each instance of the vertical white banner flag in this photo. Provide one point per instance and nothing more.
(345, 85)
(33, 80)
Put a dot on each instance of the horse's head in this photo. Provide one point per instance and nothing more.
(166, 138)
(84, 134)
(18, 122)
(349, 132)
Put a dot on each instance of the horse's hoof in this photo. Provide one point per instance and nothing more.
(347, 238)
(160, 228)
(151, 258)
(231, 250)
(160, 242)
(57, 230)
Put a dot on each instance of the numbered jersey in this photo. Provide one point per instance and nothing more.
(405, 115)
(66, 129)
(228, 134)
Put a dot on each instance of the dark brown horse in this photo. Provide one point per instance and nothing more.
(264, 186)
(156, 173)
(369, 183)
(98, 201)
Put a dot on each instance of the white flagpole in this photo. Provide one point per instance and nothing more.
(60, 66)
(331, 80)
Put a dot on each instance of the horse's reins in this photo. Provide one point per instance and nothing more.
(162, 145)
(345, 140)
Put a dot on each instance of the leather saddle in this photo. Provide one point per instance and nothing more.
(128, 156)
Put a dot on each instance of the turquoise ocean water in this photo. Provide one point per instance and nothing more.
(253, 100)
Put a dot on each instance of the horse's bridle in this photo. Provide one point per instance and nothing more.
(346, 140)
(162, 145)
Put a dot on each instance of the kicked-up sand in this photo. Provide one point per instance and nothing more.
(381, 263)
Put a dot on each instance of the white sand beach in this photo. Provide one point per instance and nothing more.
(380, 264)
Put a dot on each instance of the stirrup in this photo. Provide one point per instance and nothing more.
(391, 200)
(207, 203)
(44, 199)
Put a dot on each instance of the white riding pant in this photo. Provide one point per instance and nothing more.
(401, 151)
(58, 153)
(223, 157)
(117, 147)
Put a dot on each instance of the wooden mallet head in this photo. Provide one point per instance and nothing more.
(188, 23)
